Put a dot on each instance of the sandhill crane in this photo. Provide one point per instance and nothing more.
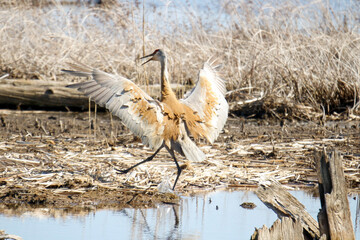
(167, 123)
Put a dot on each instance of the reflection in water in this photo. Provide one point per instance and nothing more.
(165, 226)
(216, 215)
(357, 218)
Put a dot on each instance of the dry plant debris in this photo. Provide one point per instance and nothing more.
(42, 163)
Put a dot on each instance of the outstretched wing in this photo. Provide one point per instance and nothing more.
(138, 111)
(207, 100)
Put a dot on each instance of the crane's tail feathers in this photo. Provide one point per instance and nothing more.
(191, 151)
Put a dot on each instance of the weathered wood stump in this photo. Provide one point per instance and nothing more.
(284, 204)
(334, 217)
(284, 229)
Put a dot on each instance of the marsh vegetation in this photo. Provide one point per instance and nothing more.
(301, 57)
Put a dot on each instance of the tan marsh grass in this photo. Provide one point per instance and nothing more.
(296, 52)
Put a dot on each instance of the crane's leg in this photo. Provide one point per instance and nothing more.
(177, 165)
(144, 161)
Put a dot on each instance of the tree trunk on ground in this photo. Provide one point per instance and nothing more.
(55, 94)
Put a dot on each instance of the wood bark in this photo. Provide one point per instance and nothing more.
(284, 204)
(334, 217)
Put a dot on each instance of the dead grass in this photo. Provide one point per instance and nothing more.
(299, 53)
(50, 158)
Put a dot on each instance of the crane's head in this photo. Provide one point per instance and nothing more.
(157, 55)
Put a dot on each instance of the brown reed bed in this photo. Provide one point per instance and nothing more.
(294, 53)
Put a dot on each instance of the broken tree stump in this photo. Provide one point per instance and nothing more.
(285, 228)
(334, 217)
(284, 204)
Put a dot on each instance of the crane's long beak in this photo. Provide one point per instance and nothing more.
(150, 55)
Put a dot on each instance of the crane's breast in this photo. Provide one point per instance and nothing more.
(171, 123)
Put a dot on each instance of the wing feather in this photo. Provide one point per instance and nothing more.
(138, 111)
(207, 99)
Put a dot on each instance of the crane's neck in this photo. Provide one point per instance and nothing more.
(166, 91)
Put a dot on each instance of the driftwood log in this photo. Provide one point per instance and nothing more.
(55, 94)
(334, 217)
(284, 204)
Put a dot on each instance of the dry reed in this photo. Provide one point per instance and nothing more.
(301, 53)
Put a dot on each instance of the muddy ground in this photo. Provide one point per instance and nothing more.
(62, 159)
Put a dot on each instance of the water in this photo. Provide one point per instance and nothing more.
(174, 17)
(215, 215)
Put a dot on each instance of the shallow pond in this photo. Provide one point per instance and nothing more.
(215, 215)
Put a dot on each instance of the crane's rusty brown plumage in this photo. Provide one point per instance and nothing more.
(166, 123)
